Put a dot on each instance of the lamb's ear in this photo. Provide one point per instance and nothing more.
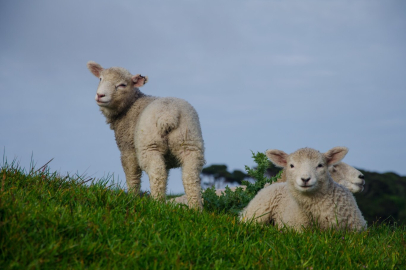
(94, 68)
(139, 80)
(335, 155)
(278, 157)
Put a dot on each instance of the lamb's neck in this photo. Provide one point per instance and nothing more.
(124, 125)
(320, 199)
(116, 115)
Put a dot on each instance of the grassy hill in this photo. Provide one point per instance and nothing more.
(53, 222)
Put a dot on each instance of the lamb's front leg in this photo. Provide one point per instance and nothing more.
(260, 207)
(132, 171)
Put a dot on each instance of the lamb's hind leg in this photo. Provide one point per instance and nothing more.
(154, 166)
(192, 164)
(132, 172)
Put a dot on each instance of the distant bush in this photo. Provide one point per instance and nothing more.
(384, 198)
(218, 173)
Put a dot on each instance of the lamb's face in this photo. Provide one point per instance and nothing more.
(306, 170)
(347, 176)
(115, 84)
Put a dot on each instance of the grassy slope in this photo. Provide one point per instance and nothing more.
(51, 223)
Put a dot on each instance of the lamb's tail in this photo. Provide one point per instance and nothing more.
(168, 120)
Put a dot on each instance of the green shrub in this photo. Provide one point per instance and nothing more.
(232, 202)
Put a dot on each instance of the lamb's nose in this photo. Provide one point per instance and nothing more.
(101, 95)
(361, 176)
(305, 179)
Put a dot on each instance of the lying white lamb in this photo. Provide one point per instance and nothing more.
(153, 134)
(309, 195)
(341, 173)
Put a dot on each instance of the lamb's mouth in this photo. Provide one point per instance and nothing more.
(102, 102)
(360, 186)
(306, 187)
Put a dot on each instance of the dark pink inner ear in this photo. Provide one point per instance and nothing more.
(139, 80)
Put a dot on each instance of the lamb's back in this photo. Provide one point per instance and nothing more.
(169, 122)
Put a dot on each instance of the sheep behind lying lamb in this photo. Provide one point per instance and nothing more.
(347, 176)
(153, 134)
(309, 195)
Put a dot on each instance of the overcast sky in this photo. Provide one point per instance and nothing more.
(261, 75)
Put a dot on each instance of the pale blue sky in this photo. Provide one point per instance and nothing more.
(261, 74)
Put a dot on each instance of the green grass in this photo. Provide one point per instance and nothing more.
(50, 222)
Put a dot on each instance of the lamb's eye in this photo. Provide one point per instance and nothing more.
(122, 85)
(291, 165)
(320, 166)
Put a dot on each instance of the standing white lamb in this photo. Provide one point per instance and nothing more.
(153, 134)
(309, 195)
